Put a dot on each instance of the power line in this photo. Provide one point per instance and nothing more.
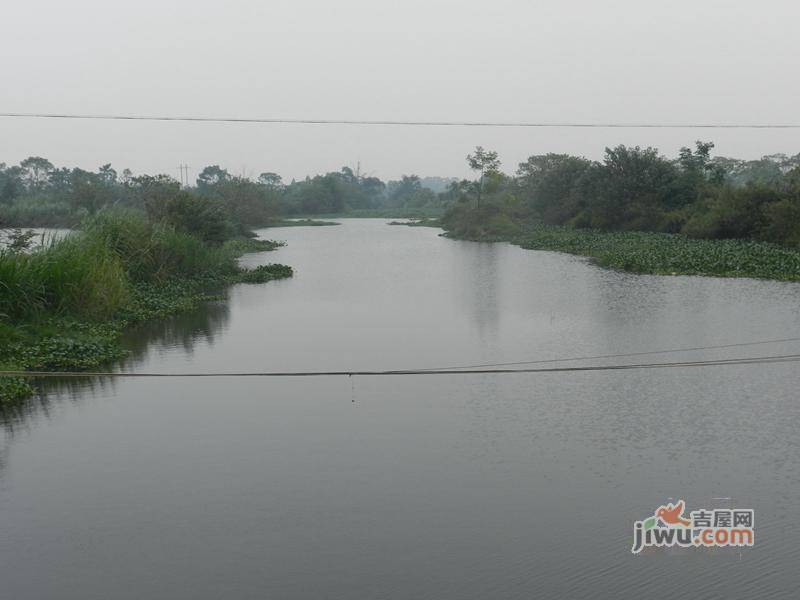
(424, 123)
(621, 355)
(786, 358)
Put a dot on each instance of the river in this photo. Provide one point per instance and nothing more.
(450, 486)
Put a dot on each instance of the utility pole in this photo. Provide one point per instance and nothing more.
(183, 171)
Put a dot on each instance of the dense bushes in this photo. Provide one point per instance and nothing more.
(40, 211)
(158, 251)
(63, 305)
(660, 253)
(36, 193)
(488, 222)
(91, 272)
(754, 211)
(203, 217)
(637, 189)
(77, 274)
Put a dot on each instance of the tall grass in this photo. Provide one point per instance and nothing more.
(76, 275)
(157, 252)
(90, 273)
(40, 211)
(64, 304)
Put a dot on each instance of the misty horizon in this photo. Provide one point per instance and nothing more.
(509, 61)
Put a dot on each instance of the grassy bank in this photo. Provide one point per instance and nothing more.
(640, 252)
(300, 223)
(417, 223)
(65, 305)
(384, 213)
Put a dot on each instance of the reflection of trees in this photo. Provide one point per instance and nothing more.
(477, 271)
(185, 330)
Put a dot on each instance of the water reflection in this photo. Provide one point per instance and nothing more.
(478, 270)
(482, 486)
(144, 343)
(183, 331)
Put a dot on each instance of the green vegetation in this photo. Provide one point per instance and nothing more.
(387, 213)
(37, 193)
(417, 223)
(264, 273)
(640, 211)
(661, 253)
(64, 305)
(301, 223)
(148, 247)
(631, 189)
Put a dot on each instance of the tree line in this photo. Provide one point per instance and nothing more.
(36, 193)
(631, 188)
(635, 189)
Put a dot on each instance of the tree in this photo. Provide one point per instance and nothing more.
(35, 172)
(270, 180)
(88, 191)
(399, 192)
(107, 174)
(199, 215)
(210, 177)
(633, 188)
(153, 192)
(373, 187)
(484, 162)
(550, 184)
(11, 184)
(248, 202)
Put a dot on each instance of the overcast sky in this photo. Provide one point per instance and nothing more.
(623, 61)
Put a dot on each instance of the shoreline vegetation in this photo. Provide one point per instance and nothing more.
(65, 305)
(423, 222)
(148, 247)
(647, 252)
(639, 211)
(300, 223)
(635, 251)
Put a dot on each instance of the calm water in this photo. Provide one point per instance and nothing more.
(472, 486)
(42, 235)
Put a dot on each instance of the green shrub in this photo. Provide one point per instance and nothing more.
(264, 273)
(201, 216)
(39, 211)
(157, 252)
(76, 274)
(782, 222)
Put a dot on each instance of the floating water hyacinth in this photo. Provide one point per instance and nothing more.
(668, 254)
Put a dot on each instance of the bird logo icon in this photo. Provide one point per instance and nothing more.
(672, 514)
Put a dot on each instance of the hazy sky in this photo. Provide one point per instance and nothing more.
(628, 60)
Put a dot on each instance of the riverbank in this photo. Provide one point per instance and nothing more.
(382, 213)
(644, 252)
(65, 306)
(300, 223)
(417, 223)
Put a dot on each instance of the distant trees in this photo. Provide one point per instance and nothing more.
(631, 188)
(485, 162)
(636, 188)
(38, 193)
(35, 172)
(552, 184)
(400, 192)
(272, 181)
(201, 216)
(10, 183)
(333, 192)
(210, 177)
